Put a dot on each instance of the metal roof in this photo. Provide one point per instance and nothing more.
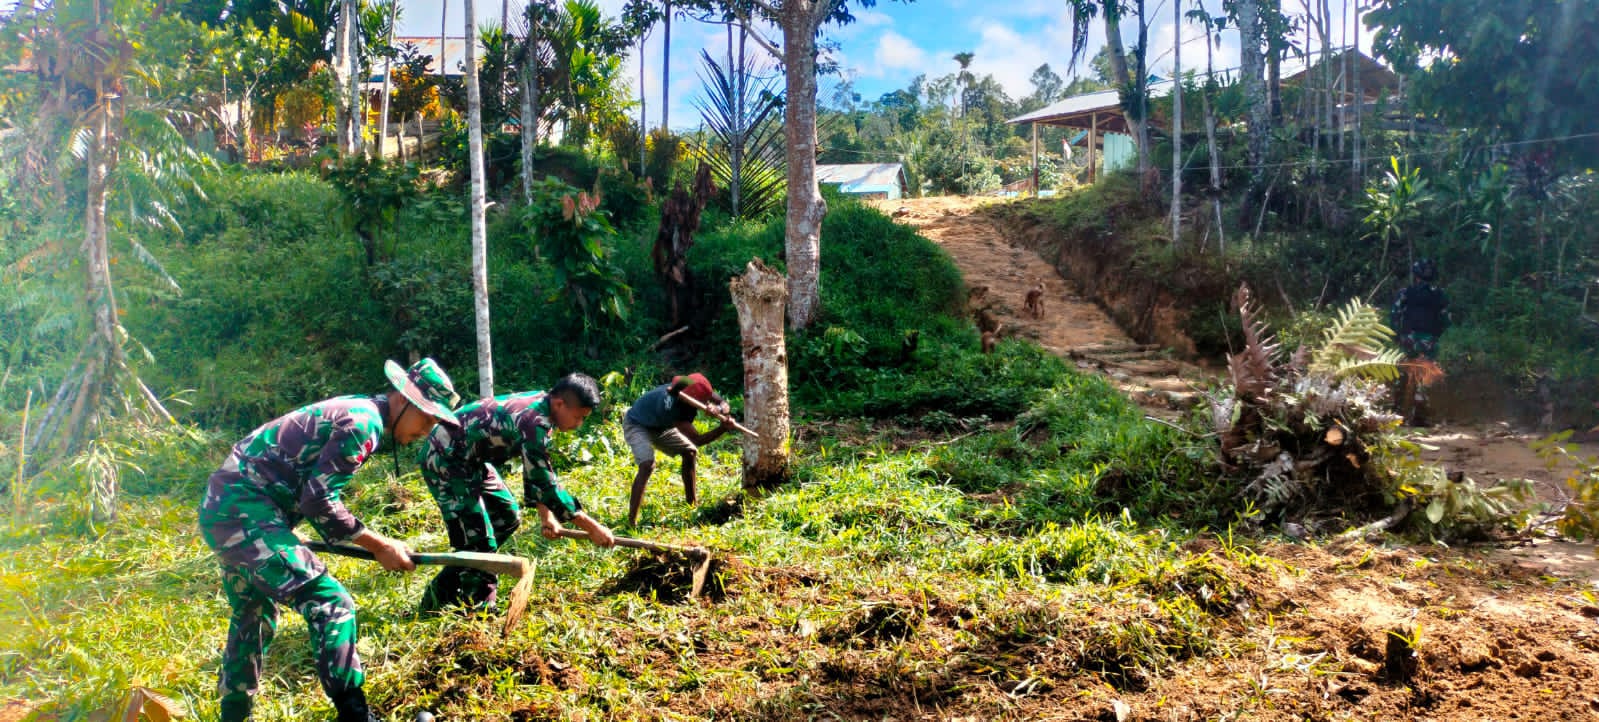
(1077, 111)
(862, 174)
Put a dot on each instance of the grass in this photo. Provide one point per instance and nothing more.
(965, 532)
(876, 568)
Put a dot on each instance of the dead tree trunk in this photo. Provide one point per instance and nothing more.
(761, 295)
(680, 218)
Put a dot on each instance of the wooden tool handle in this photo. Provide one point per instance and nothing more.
(631, 543)
(724, 418)
(355, 552)
(497, 563)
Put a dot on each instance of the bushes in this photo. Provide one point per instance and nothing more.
(279, 307)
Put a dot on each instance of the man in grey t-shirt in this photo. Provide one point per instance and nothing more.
(660, 419)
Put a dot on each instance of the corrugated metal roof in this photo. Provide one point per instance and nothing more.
(1102, 101)
(1374, 75)
(861, 174)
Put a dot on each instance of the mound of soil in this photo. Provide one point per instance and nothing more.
(469, 661)
(669, 578)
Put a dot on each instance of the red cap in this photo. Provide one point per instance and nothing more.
(695, 385)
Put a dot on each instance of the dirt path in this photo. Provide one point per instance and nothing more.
(1076, 327)
(1070, 324)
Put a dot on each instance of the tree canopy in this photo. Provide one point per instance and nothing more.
(1525, 69)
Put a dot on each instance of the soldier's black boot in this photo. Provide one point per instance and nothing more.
(351, 707)
(236, 708)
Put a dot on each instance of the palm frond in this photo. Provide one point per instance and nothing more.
(1357, 344)
(740, 108)
(1254, 369)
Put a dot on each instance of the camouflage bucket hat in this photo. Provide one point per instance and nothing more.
(427, 387)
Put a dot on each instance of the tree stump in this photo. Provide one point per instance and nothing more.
(761, 297)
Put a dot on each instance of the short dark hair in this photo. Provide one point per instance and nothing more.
(580, 389)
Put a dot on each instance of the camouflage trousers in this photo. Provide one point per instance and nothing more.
(265, 565)
(480, 515)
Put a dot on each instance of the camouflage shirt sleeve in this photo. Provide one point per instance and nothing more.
(539, 483)
(352, 440)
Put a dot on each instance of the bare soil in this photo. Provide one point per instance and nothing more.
(1494, 633)
(1070, 324)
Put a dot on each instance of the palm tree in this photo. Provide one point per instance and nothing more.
(1084, 11)
(964, 78)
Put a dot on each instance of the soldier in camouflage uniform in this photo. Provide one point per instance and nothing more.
(294, 468)
(480, 512)
(1420, 315)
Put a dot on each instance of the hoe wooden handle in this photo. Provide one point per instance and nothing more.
(724, 418)
(631, 543)
(493, 563)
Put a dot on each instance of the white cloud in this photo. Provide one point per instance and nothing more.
(897, 52)
(871, 19)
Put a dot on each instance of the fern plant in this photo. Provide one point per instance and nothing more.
(1314, 435)
(1357, 345)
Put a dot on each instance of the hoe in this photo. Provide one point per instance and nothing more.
(497, 564)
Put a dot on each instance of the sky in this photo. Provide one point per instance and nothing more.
(893, 42)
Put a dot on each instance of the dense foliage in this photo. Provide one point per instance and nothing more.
(1519, 70)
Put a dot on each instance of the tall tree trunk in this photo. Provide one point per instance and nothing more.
(1258, 120)
(741, 80)
(530, 90)
(666, 67)
(1119, 71)
(1312, 24)
(1276, 45)
(480, 262)
(1142, 87)
(388, 67)
(1177, 129)
(353, 57)
(444, 22)
(1329, 102)
(803, 236)
(343, 119)
(1357, 175)
(96, 247)
(501, 87)
(759, 296)
(1210, 138)
(643, 117)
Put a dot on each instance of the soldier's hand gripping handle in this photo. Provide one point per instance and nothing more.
(394, 555)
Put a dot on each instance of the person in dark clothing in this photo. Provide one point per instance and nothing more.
(1419, 317)
(1420, 314)
(660, 419)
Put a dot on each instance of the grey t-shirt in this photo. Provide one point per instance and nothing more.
(659, 409)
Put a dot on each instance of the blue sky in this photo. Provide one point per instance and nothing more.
(892, 43)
